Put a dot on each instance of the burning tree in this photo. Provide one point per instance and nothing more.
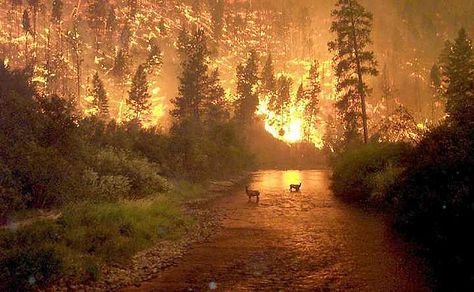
(100, 101)
(247, 95)
(138, 101)
(352, 61)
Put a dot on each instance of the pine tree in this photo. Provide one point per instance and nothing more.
(282, 98)
(387, 89)
(75, 42)
(57, 11)
(301, 93)
(436, 88)
(97, 17)
(268, 85)
(27, 29)
(111, 22)
(120, 68)
(194, 77)
(215, 104)
(352, 62)
(125, 37)
(247, 95)
(217, 16)
(100, 100)
(458, 77)
(35, 5)
(155, 59)
(312, 94)
(138, 101)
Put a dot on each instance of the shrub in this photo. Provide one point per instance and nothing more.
(142, 175)
(29, 257)
(355, 170)
(434, 201)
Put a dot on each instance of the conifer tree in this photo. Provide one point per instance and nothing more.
(387, 89)
(313, 94)
(120, 68)
(75, 42)
(27, 29)
(458, 77)
(97, 17)
(215, 104)
(35, 5)
(353, 61)
(193, 82)
(268, 82)
(282, 98)
(155, 59)
(247, 95)
(138, 101)
(217, 16)
(435, 85)
(57, 11)
(100, 100)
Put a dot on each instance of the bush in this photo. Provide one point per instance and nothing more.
(434, 201)
(357, 172)
(29, 256)
(118, 164)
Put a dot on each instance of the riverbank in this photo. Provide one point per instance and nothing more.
(109, 246)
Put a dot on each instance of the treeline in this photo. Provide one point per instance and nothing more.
(53, 155)
(427, 186)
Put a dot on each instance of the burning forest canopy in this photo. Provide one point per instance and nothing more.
(67, 42)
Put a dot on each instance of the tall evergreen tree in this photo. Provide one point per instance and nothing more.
(458, 77)
(353, 61)
(247, 95)
(120, 68)
(97, 17)
(217, 16)
(57, 11)
(75, 42)
(100, 100)
(387, 89)
(194, 77)
(282, 99)
(215, 110)
(27, 29)
(155, 58)
(35, 5)
(268, 81)
(138, 101)
(436, 88)
(313, 94)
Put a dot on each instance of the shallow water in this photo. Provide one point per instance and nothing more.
(295, 241)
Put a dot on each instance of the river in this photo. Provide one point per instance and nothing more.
(306, 241)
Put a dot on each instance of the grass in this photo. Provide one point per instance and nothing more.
(87, 236)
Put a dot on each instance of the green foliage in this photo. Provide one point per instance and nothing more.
(360, 171)
(434, 202)
(100, 100)
(247, 94)
(458, 77)
(85, 238)
(138, 101)
(352, 62)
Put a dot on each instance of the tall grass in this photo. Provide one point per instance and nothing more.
(85, 238)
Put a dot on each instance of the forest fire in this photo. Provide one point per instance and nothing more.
(135, 136)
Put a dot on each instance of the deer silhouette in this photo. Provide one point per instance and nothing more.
(251, 193)
(295, 187)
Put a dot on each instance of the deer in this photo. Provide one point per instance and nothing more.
(251, 193)
(295, 187)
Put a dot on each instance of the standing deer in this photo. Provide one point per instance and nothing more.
(295, 188)
(251, 194)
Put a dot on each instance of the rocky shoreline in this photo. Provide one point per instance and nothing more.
(149, 263)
